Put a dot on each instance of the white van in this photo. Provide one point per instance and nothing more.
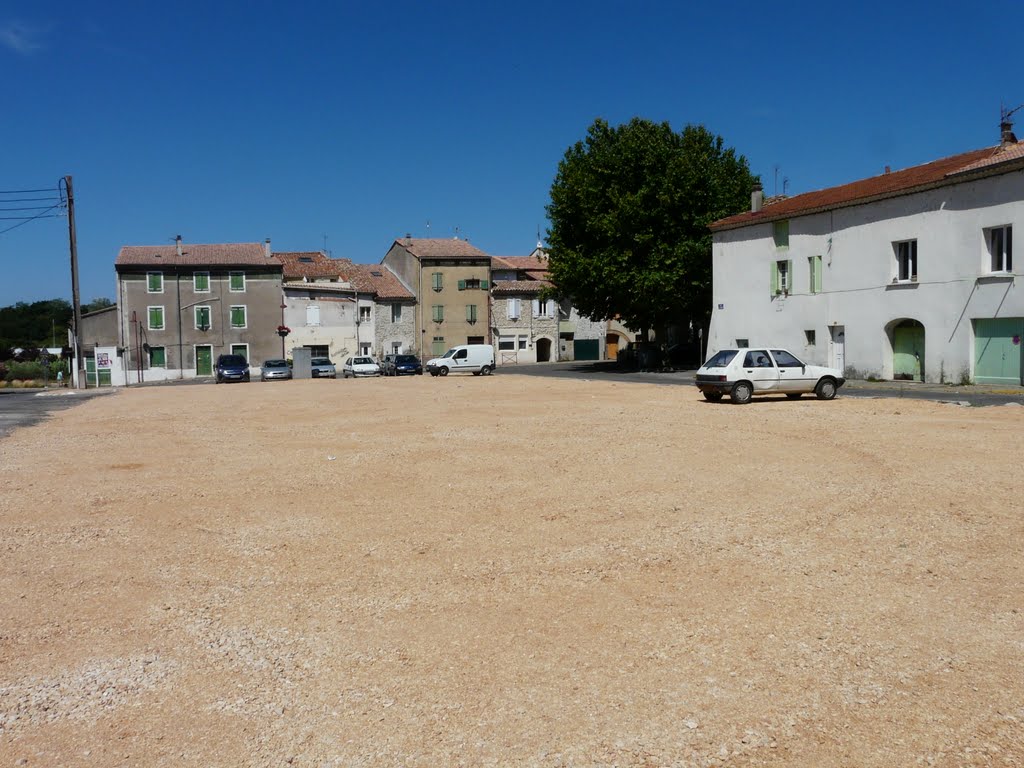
(476, 358)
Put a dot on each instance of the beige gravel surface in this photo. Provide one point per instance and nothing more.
(510, 571)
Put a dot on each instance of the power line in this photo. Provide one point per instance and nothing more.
(26, 208)
(31, 218)
(23, 191)
(29, 199)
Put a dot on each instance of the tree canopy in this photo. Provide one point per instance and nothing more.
(630, 208)
(40, 323)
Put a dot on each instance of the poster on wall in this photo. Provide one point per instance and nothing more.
(102, 359)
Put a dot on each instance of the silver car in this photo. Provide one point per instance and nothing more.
(323, 368)
(275, 369)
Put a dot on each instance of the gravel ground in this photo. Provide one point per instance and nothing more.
(510, 571)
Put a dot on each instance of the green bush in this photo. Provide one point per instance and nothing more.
(16, 371)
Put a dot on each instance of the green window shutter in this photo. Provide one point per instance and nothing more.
(775, 278)
(780, 232)
(438, 313)
(238, 317)
(789, 276)
(471, 313)
(157, 357)
(155, 282)
(462, 285)
(437, 281)
(817, 274)
(484, 285)
(156, 318)
(201, 282)
(237, 281)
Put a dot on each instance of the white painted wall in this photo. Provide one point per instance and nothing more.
(858, 267)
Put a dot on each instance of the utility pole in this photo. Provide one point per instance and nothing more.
(75, 299)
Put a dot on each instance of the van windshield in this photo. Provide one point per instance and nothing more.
(449, 353)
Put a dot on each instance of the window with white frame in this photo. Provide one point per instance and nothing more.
(814, 274)
(1000, 248)
(236, 282)
(364, 314)
(238, 316)
(524, 342)
(156, 318)
(242, 350)
(396, 347)
(365, 348)
(157, 357)
(543, 308)
(154, 282)
(313, 314)
(512, 308)
(396, 313)
(202, 318)
(906, 260)
(506, 343)
(201, 282)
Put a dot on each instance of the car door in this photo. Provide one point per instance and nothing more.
(759, 369)
(461, 359)
(792, 372)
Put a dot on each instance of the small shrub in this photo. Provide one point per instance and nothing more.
(965, 376)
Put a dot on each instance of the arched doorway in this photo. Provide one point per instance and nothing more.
(543, 350)
(907, 350)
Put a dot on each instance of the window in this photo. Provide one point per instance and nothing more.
(781, 271)
(437, 348)
(814, 274)
(396, 313)
(437, 281)
(523, 342)
(236, 282)
(809, 336)
(157, 357)
(543, 308)
(742, 343)
(438, 310)
(364, 348)
(475, 340)
(318, 350)
(365, 313)
(506, 343)
(156, 318)
(757, 358)
(785, 360)
(396, 347)
(242, 350)
(472, 284)
(201, 282)
(202, 317)
(471, 313)
(238, 316)
(1000, 248)
(906, 260)
(512, 308)
(780, 233)
(313, 314)
(154, 282)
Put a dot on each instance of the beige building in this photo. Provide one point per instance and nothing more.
(451, 281)
(181, 306)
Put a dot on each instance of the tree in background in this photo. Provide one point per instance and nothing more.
(629, 211)
(30, 326)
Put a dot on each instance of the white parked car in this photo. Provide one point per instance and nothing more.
(743, 373)
(360, 366)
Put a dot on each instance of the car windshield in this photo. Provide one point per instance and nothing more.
(449, 353)
(721, 359)
(363, 361)
(406, 359)
(232, 360)
(321, 361)
(275, 364)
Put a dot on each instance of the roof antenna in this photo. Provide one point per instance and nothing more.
(456, 233)
(539, 243)
(785, 185)
(1006, 135)
(775, 187)
(326, 252)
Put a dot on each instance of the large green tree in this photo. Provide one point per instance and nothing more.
(629, 212)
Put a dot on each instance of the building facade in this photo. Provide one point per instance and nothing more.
(450, 280)
(905, 275)
(182, 305)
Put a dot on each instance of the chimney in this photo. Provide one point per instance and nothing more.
(177, 244)
(756, 197)
(266, 247)
(1006, 135)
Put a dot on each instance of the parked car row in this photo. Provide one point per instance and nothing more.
(477, 359)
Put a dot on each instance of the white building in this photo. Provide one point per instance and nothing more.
(906, 275)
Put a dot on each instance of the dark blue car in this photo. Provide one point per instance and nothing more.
(232, 368)
(401, 365)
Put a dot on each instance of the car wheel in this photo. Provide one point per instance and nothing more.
(741, 393)
(713, 397)
(826, 389)
(487, 370)
(442, 371)
(794, 395)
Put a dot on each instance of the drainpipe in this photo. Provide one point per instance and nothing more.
(177, 282)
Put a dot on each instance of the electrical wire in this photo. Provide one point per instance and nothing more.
(27, 208)
(23, 191)
(26, 220)
(28, 199)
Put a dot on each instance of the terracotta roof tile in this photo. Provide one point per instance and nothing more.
(376, 279)
(919, 177)
(307, 264)
(196, 255)
(440, 248)
(502, 287)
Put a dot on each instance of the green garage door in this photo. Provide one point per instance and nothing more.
(997, 343)
(586, 349)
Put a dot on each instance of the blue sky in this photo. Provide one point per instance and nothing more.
(361, 121)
